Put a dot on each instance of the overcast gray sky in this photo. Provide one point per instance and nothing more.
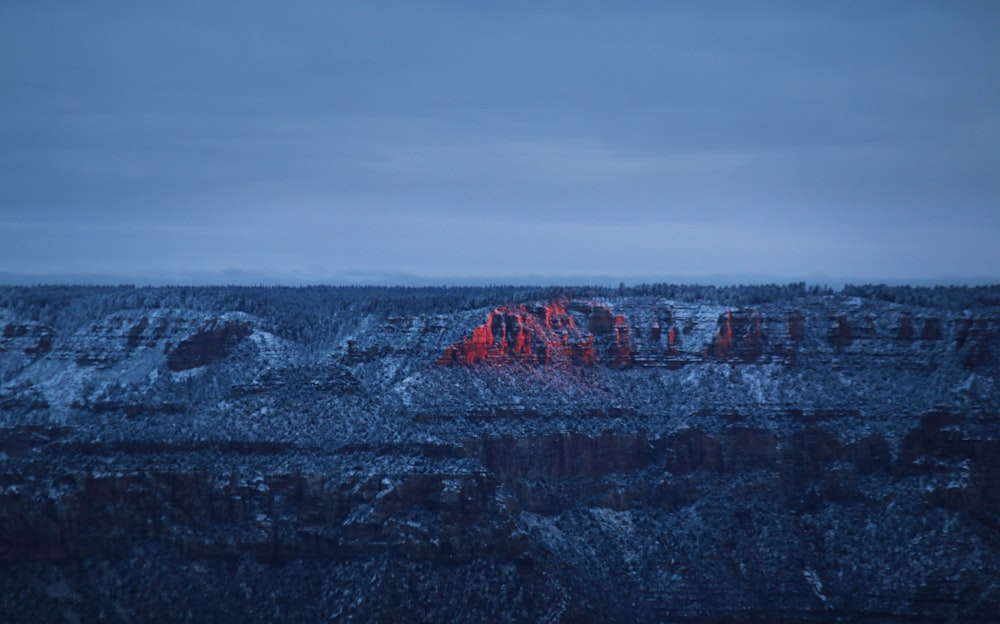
(312, 141)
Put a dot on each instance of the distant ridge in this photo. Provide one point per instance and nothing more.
(238, 277)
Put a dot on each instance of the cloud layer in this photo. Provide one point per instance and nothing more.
(452, 139)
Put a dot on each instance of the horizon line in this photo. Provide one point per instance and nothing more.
(238, 277)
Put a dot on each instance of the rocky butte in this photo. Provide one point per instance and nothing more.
(655, 454)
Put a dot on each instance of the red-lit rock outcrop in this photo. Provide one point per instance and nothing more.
(740, 337)
(547, 335)
(572, 332)
(577, 333)
(622, 348)
(543, 335)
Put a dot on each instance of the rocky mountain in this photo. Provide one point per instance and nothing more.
(654, 454)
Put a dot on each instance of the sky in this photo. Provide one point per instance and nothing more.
(470, 142)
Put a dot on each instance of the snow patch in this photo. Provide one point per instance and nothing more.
(812, 577)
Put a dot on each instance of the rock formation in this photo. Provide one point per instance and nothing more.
(206, 347)
(544, 335)
(384, 455)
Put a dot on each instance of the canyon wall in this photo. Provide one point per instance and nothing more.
(629, 458)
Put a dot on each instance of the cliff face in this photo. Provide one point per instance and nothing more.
(544, 335)
(583, 333)
(612, 527)
(205, 347)
(572, 459)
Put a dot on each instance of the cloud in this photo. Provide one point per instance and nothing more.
(372, 137)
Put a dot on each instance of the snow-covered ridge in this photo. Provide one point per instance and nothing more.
(427, 353)
(753, 451)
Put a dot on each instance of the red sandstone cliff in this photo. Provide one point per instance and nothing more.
(535, 335)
